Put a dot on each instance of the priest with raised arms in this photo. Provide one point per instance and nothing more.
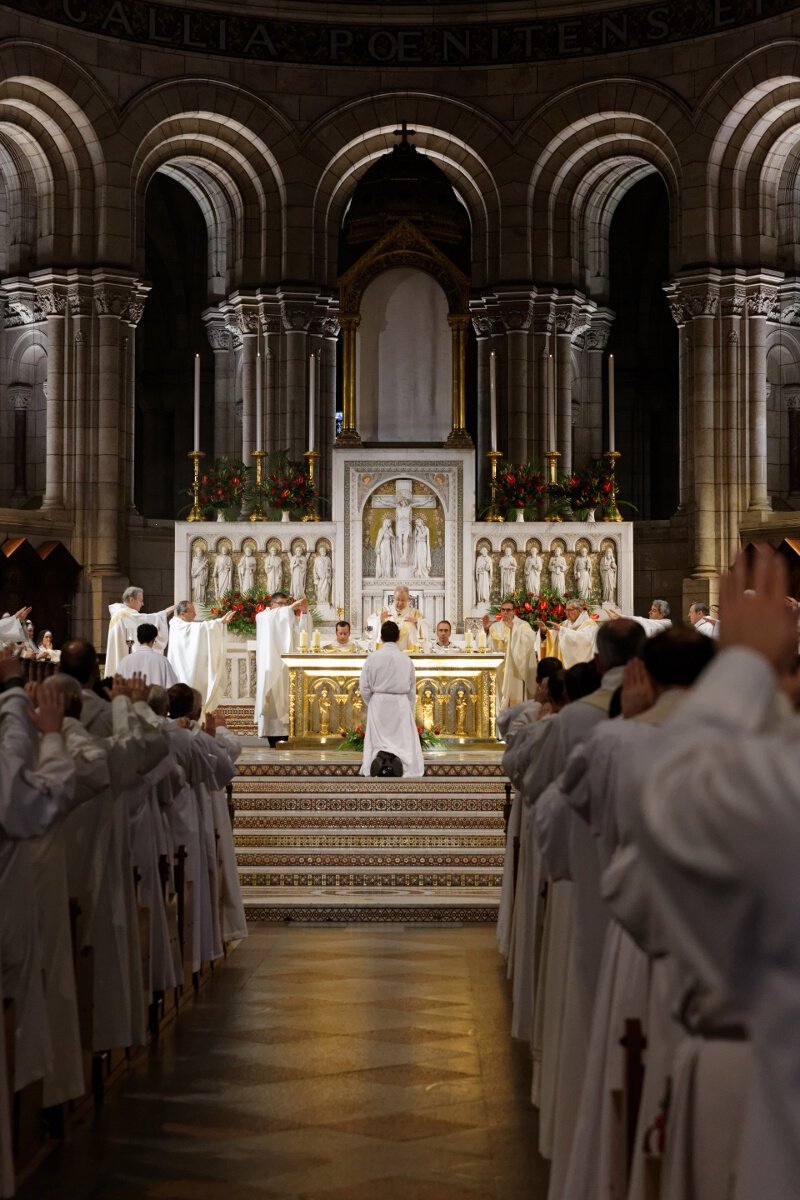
(124, 619)
(277, 633)
(389, 689)
(514, 637)
(197, 652)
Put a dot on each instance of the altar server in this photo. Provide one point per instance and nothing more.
(146, 661)
(125, 617)
(721, 836)
(197, 652)
(388, 688)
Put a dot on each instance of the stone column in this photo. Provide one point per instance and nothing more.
(219, 338)
(516, 310)
(20, 399)
(482, 327)
(543, 346)
(567, 313)
(247, 319)
(761, 293)
(327, 400)
(701, 301)
(51, 298)
(296, 314)
(133, 317)
(685, 475)
(595, 343)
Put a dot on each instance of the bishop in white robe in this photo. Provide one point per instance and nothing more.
(125, 617)
(197, 652)
(12, 628)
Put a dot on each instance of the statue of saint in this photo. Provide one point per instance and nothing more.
(200, 569)
(323, 570)
(608, 575)
(558, 572)
(582, 570)
(358, 708)
(422, 549)
(427, 709)
(385, 551)
(246, 570)
(484, 568)
(223, 573)
(508, 572)
(273, 569)
(297, 565)
(324, 705)
(461, 713)
(533, 572)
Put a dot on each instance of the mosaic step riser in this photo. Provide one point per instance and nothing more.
(316, 802)
(438, 913)
(373, 879)
(389, 859)
(351, 771)
(435, 823)
(439, 840)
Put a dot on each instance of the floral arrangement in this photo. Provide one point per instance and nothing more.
(593, 486)
(288, 486)
(353, 739)
(547, 606)
(223, 485)
(247, 605)
(519, 485)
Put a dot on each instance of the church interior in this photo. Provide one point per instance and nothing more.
(409, 249)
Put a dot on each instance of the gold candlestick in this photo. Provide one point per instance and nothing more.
(612, 513)
(551, 458)
(311, 457)
(196, 513)
(258, 513)
(494, 457)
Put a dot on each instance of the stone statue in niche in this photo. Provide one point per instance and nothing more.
(273, 569)
(200, 572)
(385, 551)
(297, 566)
(223, 573)
(582, 571)
(422, 550)
(608, 575)
(533, 572)
(323, 571)
(558, 572)
(246, 570)
(484, 569)
(508, 572)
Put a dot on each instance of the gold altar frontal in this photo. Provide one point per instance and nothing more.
(456, 696)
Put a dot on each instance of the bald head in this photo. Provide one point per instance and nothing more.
(79, 659)
(68, 688)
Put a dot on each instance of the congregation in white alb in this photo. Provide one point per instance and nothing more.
(400, 557)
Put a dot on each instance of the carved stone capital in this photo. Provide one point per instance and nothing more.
(516, 315)
(761, 301)
(271, 325)
(20, 399)
(700, 300)
(51, 300)
(482, 326)
(733, 303)
(330, 327)
(793, 401)
(113, 300)
(296, 317)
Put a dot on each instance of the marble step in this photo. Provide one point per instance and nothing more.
(257, 821)
(368, 877)
(440, 839)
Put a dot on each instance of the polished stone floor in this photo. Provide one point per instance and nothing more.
(357, 1062)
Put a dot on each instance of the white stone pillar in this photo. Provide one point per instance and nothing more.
(566, 315)
(296, 314)
(596, 341)
(51, 298)
(703, 301)
(761, 292)
(220, 341)
(516, 310)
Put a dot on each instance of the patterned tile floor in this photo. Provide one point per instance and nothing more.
(324, 1063)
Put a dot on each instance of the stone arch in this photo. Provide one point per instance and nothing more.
(751, 121)
(225, 149)
(465, 148)
(51, 158)
(597, 141)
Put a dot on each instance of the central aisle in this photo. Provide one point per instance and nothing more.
(325, 1063)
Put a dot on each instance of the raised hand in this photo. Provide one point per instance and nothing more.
(638, 693)
(139, 687)
(48, 716)
(22, 613)
(758, 617)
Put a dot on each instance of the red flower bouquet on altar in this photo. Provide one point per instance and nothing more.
(223, 485)
(246, 605)
(547, 607)
(518, 485)
(290, 487)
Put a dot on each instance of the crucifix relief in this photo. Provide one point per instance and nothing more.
(402, 547)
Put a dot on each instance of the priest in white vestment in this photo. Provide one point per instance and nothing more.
(12, 628)
(574, 639)
(197, 652)
(125, 617)
(413, 626)
(721, 836)
(699, 616)
(388, 689)
(514, 637)
(278, 632)
(656, 621)
(342, 643)
(153, 667)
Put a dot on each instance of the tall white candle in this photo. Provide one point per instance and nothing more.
(611, 402)
(551, 402)
(259, 406)
(312, 389)
(196, 402)
(493, 400)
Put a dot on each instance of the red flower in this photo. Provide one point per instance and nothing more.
(527, 607)
(259, 608)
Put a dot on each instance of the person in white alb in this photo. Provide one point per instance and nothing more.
(124, 619)
(516, 679)
(720, 834)
(277, 633)
(702, 621)
(388, 688)
(197, 652)
(153, 667)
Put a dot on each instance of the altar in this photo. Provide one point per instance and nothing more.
(456, 697)
(397, 518)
